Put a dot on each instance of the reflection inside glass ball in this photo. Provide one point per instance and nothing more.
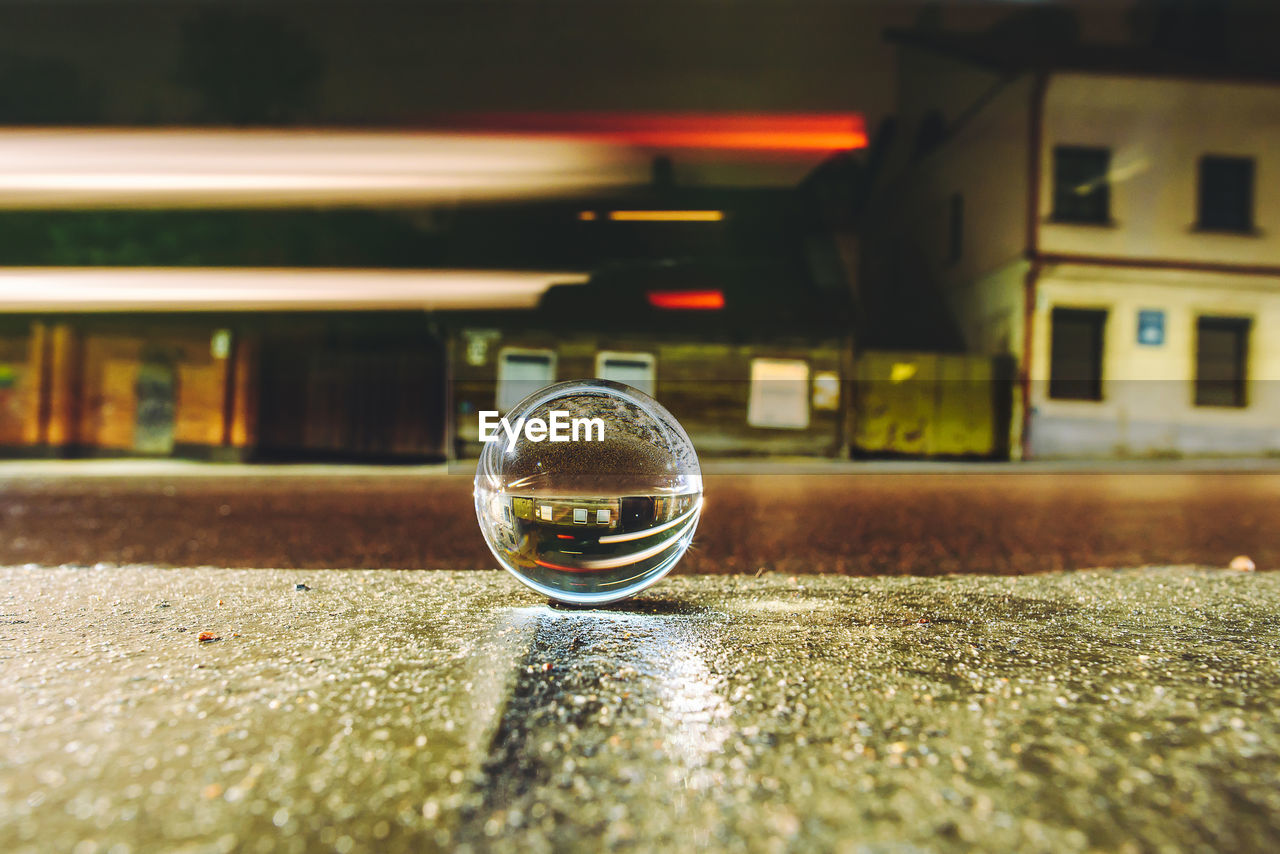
(596, 517)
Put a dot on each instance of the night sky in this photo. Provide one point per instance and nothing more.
(401, 63)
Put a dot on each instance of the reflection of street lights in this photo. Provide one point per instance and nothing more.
(669, 678)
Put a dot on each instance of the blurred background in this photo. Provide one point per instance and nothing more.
(336, 231)
(950, 289)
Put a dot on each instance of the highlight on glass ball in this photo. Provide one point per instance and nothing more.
(587, 491)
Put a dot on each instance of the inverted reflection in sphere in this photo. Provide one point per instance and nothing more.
(600, 516)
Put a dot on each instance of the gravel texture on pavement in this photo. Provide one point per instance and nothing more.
(405, 711)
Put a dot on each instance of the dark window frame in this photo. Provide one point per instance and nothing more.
(1229, 392)
(1064, 382)
(1071, 169)
(1215, 209)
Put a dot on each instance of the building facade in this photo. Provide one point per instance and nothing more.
(1113, 227)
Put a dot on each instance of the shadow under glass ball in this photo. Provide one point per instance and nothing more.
(597, 518)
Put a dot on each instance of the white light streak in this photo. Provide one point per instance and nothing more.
(37, 289)
(47, 167)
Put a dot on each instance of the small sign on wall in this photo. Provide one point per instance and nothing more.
(1151, 327)
(779, 394)
(220, 344)
(826, 390)
(478, 342)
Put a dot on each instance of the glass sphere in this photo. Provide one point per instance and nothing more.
(589, 492)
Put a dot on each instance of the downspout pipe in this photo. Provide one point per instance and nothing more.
(1035, 165)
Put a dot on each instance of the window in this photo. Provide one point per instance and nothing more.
(521, 373)
(633, 369)
(1226, 193)
(1081, 192)
(1222, 354)
(955, 228)
(1075, 359)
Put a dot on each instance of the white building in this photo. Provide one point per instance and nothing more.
(1111, 223)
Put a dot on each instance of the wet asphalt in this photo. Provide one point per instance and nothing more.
(998, 520)
(997, 705)
(415, 711)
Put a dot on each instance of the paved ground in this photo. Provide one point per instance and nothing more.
(409, 711)
(850, 519)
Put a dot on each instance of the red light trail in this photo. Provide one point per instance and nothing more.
(687, 300)
(764, 132)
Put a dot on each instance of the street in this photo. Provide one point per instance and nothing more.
(233, 710)
(835, 519)
(159, 698)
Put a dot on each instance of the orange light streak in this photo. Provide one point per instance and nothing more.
(666, 216)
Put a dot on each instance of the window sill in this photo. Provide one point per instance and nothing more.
(1227, 232)
(1087, 223)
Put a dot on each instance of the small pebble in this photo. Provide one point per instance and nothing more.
(300, 586)
(1242, 563)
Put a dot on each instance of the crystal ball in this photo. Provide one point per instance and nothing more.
(587, 491)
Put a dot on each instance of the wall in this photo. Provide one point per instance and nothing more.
(928, 82)
(931, 404)
(705, 384)
(345, 386)
(1151, 256)
(1147, 407)
(18, 378)
(69, 385)
(985, 159)
(111, 360)
(1157, 129)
